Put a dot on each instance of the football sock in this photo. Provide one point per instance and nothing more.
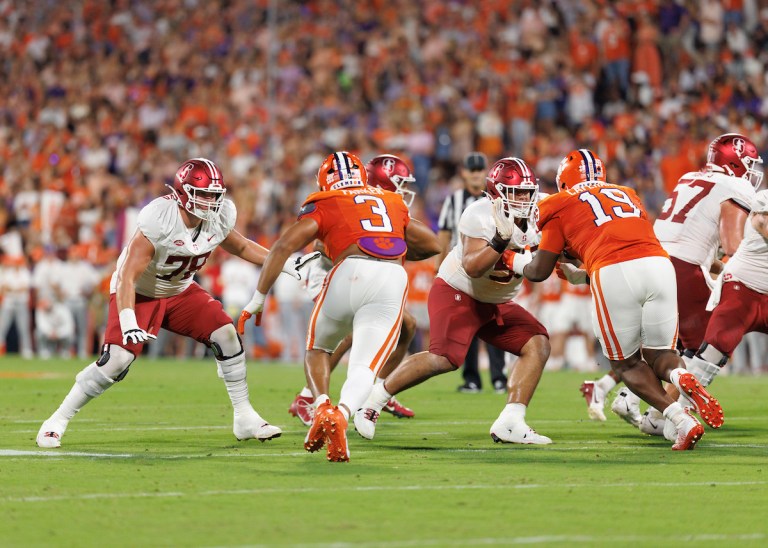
(321, 399)
(514, 412)
(378, 397)
(674, 412)
(606, 383)
(73, 402)
(305, 392)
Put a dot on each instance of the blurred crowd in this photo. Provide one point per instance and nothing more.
(103, 100)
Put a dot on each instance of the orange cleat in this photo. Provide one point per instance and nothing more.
(688, 433)
(706, 406)
(336, 436)
(316, 435)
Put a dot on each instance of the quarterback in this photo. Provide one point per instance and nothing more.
(153, 287)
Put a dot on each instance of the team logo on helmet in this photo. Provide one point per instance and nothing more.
(184, 170)
(388, 165)
(738, 146)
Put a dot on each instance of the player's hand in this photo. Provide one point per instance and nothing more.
(574, 275)
(253, 308)
(293, 266)
(505, 223)
(132, 333)
(517, 261)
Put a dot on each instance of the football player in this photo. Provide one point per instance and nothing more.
(472, 295)
(367, 232)
(391, 173)
(707, 210)
(633, 287)
(153, 287)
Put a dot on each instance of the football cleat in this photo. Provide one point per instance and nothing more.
(520, 432)
(689, 431)
(669, 431)
(652, 422)
(398, 409)
(595, 400)
(627, 406)
(315, 438)
(705, 405)
(365, 422)
(252, 426)
(49, 435)
(303, 408)
(335, 426)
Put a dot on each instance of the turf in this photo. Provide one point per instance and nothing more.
(154, 463)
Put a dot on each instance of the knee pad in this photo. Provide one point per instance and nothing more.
(711, 354)
(114, 362)
(225, 343)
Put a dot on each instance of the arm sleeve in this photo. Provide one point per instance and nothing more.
(552, 238)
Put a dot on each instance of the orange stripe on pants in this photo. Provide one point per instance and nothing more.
(608, 318)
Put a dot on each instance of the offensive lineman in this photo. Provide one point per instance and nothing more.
(152, 287)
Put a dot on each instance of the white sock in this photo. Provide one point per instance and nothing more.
(357, 387)
(321, 399)
(674, 412)
(343, 409)
(606, 383)
(514, 412)
(378, 397)
(305, 392)
(73, 402)
(238, 395)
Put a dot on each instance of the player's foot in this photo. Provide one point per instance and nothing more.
(303, 408)
(315, 438)
(689, 431)
(499, 386)
(397, 409)
(252, 426)
(335, 426)
(50, 434)
(669, 431)
(365, 422)
(652, 422)
(705, 405)
(595, 400)
(627, 406)
(502, 432)
(469, 388)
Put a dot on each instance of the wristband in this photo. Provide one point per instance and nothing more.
(128, 319)
(499, 244)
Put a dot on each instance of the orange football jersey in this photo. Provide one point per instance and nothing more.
(373, 218)
(599, 223)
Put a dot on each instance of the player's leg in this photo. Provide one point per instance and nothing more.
(407, 332)
(470, 371)
(195, 314)
(525, 337)
(111, 367)
(454, 320)
(497, 362)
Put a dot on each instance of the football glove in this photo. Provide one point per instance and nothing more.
(253, 308)
(505, 223)
(574, 275)
(516, 263)
(132, 333)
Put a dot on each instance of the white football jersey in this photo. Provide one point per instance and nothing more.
(498, 284)
(179, 251)
(688, 226)
(750, 262)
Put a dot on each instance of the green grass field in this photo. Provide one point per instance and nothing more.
(154, 463)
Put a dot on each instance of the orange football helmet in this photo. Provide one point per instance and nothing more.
(578, 167)
(341, 170)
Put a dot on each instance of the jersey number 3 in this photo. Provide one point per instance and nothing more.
(381, 223)
(615, 195)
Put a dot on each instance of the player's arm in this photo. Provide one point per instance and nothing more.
(478, 256)
(732, 219)
(238, 245)
(551, 246)
(422, 242)
(138, 255)
(444, 238)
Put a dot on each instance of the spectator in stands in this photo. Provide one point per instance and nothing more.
(54, 329)
(15, 285)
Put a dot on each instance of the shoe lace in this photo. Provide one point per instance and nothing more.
(371, 414)
(306, 406)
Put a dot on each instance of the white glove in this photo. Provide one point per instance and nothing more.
(717, 291)
(519, 260)
(293, 266)
(505, 224)
(574, 275)
(254, 307)
(132, 333)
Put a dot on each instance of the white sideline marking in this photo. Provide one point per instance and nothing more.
(375, 488)
(17, 453)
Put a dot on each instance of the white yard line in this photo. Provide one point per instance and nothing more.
(375, 488)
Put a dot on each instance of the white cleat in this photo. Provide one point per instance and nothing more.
(627, 406)
(502, 432)
(653, 423)
(251, 427)
(688, 432)
(365, 422)
(669, 430)
(595, 400)
(50, 434)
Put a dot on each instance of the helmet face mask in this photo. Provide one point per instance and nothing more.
(391, 173)
(735, 155)
(341, 170)
(580, 166)
(515, 183)
(198, 187)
